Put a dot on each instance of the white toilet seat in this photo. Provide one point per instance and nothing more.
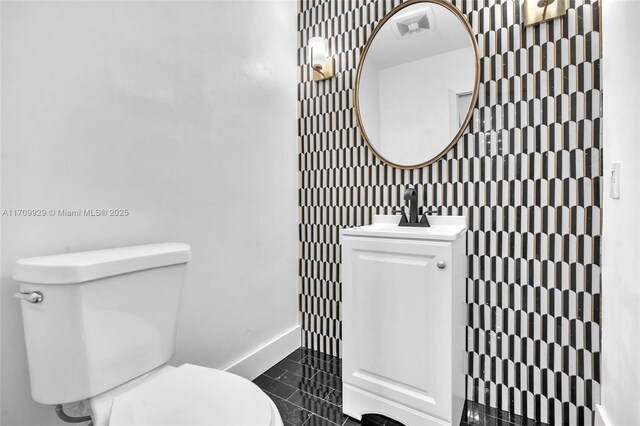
(193, 395)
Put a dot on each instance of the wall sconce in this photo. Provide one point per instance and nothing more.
(321, 63)
(536, 11)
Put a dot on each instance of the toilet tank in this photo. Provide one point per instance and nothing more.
(106, 317)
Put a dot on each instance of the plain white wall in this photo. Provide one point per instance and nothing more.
(183, 113)
(620, 388)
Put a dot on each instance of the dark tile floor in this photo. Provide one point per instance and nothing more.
(306, 386)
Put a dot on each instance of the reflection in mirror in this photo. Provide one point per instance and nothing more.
(417, 83)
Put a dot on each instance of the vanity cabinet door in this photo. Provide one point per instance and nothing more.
(397, 321)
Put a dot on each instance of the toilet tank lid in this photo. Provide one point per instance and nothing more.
(72, 268)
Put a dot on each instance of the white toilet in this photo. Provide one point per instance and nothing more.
(101, 325)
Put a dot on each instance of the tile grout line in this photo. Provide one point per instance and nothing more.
(316, 371)
(307, 393)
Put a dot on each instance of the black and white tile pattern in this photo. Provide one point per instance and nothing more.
(527, 174)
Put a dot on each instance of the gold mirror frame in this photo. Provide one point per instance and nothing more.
(476, 87)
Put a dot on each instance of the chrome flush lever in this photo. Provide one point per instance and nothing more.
(31, 296)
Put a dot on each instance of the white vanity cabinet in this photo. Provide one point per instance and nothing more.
(403, 320)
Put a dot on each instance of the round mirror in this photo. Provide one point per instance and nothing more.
(417, 83)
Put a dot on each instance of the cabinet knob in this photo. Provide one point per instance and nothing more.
(442, 264)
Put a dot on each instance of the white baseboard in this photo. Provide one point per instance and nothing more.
(601, 417)
(260, 360)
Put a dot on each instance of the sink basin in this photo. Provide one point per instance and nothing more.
(443, 228)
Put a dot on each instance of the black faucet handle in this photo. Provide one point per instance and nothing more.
(429, 210)
(403, 219)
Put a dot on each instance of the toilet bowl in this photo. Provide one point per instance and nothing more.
(101, 326)
(186, 395)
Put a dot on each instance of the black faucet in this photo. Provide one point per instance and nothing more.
(411, 196)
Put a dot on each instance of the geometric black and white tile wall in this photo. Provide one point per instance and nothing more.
(526, 173)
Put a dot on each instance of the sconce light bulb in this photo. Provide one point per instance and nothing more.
(317, 52)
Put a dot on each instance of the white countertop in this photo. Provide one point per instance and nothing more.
(443, 228)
